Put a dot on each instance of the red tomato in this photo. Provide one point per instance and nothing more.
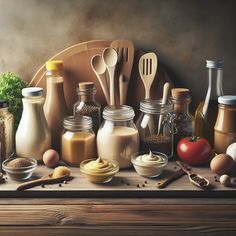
(194, 150)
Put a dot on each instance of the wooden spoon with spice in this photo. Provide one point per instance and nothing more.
(194, 178)
(59, 175)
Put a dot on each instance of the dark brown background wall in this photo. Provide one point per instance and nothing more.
(184, 33)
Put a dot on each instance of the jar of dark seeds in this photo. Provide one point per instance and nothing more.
(6, 132)
(87, 105)
(155, 126)
(184, 121)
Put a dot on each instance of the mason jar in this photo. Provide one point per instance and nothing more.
(78, 140)
(118, 137)
(156, 127)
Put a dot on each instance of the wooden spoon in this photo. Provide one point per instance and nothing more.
(164, 101)
(110, 58)
(99, 68)
(48, 179)
(194, 178)
(147, 71)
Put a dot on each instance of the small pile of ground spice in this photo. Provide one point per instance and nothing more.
(19, 162)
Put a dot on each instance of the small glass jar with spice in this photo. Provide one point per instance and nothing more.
(87, 105)
(6, 132)
(225, 127)
(155, 126)
(184, 121)
(78, 140)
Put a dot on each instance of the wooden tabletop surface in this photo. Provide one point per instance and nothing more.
(119, 207)
(127, 183)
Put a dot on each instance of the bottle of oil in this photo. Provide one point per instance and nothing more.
(206, 113)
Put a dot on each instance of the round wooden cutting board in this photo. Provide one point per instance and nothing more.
(78, 69)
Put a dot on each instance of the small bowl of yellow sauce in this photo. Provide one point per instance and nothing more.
(99, 170)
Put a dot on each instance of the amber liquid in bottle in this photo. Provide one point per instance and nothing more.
(204, 125)
(207, 110)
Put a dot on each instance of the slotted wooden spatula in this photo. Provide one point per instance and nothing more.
(147, 70)
(125, 51)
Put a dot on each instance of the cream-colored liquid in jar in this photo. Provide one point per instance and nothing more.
(77, 147)
(32, 137)
(118, 143)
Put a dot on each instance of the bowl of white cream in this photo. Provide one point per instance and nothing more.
(149, 164)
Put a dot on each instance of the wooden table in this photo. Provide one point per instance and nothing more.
(118, 208)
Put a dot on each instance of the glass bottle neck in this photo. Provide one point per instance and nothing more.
(90, 97)
(215, 77)
(181, 106)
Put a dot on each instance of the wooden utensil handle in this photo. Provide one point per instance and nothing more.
(123, 88)
(30, 184)
(171, 178)
(182, 166)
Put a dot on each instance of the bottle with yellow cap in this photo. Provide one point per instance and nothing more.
(55, 107)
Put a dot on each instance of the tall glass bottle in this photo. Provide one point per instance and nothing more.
(206, 113)
(55, 107)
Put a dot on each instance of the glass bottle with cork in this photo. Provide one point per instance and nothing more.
(55, 107)
(87, 105)
(206, 113)
(184, 121)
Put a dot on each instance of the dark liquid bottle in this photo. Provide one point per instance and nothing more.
(206, 113)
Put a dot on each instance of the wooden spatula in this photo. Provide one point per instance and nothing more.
(147, 71)
(125, 51)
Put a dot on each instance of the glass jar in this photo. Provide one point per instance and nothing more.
(86, 105)
(155, 126)
(33, 137)
(78, 140)
(225, 127)
(184, 121)
(118, 136)
(206, 112)
(6, 132)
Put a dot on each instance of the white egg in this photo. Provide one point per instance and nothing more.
(231, 150)
(225, 180)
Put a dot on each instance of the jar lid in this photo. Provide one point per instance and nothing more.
(214, 64)
(3, 103)
(32, 92)
(119, 113)
(180, 93)
(78, 122)
(155, 106)
(54, 65)
(86, 87)
(227, 100)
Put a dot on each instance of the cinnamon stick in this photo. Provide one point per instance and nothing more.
(176, 175)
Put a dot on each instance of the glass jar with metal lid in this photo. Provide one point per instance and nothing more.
(118, 136)
(78, 140)
(225, 127)
(155, 126)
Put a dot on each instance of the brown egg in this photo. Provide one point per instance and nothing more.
(222, 164)
(50, 158)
